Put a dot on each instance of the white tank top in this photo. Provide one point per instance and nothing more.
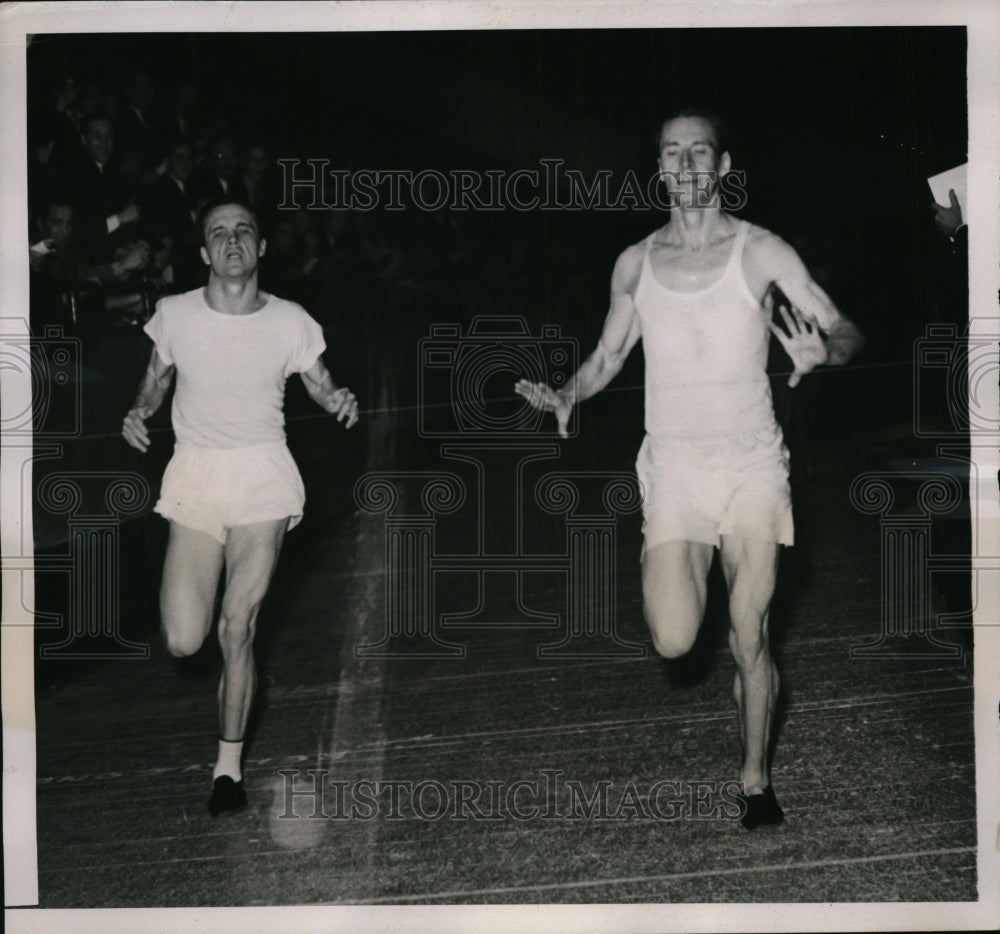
(706, 353)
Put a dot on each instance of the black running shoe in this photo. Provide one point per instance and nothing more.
(761, 809)
(227, 795)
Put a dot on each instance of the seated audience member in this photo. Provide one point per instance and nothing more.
(169, 210)
(72, 292)
(220, 177)
(139, 137)
(259, 186)
(103, 216)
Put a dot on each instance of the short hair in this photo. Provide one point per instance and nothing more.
(254, 143)
(222, 201)
(719, 126)
(221, 136)
(177, 140)
(97, 115)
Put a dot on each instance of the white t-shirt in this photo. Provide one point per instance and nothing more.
(231, 369)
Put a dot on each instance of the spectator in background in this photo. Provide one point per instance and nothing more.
(52, 267)
(340, 235)
(949, 222)
(258, 186)
(139, 138)
(53, 129)
(104, 217)
(64, 290)
(280, 266)
(169, 211)
(219, 178)
(180, 119)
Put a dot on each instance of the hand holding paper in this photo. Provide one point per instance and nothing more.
(948, 189)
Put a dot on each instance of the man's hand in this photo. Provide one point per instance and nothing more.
(38, 252)
(131, 257)
(344, 405)
(802, 342)
(128, 215)
(134, 428)
(948, 220)
(547, 399)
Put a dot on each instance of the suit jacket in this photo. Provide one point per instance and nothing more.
(210, 188)
(168, 212)
(96, 195)
(143, 140)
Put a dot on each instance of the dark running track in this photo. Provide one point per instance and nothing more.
(874, 763)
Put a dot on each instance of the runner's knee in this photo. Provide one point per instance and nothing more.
(748, 646)
(181, 643)
(236, 637)
(673, 633)
(185, 621)
(673, 645)
(237, 623)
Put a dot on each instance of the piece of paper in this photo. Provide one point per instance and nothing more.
(953, 178)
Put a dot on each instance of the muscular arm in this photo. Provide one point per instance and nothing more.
(152, 390)
(339, 401)
(843, 339)
(620, 333)
(815, 333)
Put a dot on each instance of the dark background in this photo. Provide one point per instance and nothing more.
(837, 130)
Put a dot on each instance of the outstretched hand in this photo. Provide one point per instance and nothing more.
(802, 342)
(134, 428)
(547, 399)
(344, 405)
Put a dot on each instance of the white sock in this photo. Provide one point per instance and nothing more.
(229, 760)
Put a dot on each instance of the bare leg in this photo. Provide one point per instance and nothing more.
(251, 555)
(187, 592)
(674, 588)
(751, 569)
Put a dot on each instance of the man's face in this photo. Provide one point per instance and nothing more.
(689, 158)
(224, 159)
(58, 224)
(99, 140)
(140, 91)
(180, 162)
(233, 245)
(256, 162)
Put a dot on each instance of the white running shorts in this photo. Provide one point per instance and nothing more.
(699, 489)
(214, 489)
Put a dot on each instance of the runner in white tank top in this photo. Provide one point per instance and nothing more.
(713, 467)
(706, 352)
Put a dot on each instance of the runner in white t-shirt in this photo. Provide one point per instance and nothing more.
(713, 467)
(231, 489)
